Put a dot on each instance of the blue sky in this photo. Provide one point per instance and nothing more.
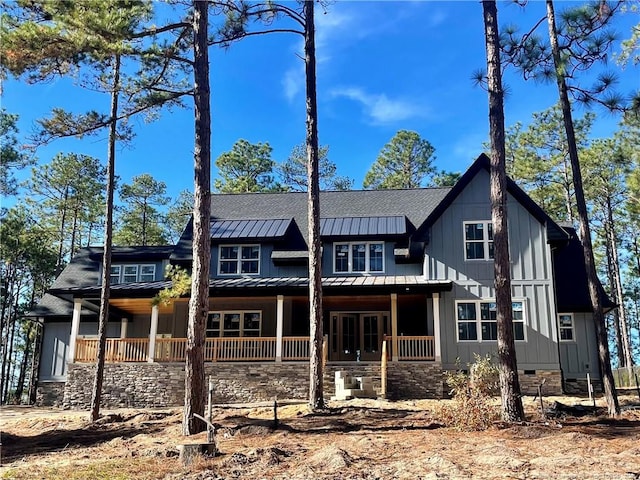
(382, 67)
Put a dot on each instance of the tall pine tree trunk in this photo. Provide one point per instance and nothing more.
(316, 394)
(105, 291)
(35, 364)
(612, 286)
(512, 410)
(24, 362)
(583, 218)
(194, 394)
(623, 323)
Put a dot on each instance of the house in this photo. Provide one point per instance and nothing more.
(410, 269)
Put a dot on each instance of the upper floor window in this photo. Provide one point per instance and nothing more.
(234, 324)
(478, 240)
(481, 316)
(239, 259)
(566, 327)
(358, 257)
(132, 273)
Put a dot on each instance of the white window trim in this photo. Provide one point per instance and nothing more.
(141, 266)
(239, 259)
(573, 328)
(241, 326)
(121, 268)
(479, 320)
(485, 241)
(119, 274)
(350, 257)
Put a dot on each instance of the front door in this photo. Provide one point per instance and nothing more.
(357, 335)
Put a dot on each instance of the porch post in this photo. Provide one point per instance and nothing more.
(124, 323)
(436, 325)
(394, 327)
(75, 327)
(153, 331)
(279, 326)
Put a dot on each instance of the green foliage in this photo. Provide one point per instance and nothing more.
(140, 221)
(585, 38)
(180, 286)
(178, 215)
(247, 168)
(294, 171)
(68, 195)
(538, 160)
(445, 179)
(472, 408)
(12, 157)
(405, 162)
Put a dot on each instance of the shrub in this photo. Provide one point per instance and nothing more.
(471, 408)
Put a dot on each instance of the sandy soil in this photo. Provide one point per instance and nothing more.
(360, 439)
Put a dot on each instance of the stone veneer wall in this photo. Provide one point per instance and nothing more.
(161, 385)
(529, 382)
(50, 394)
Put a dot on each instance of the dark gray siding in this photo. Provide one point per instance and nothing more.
(390, 266)
(473, 279)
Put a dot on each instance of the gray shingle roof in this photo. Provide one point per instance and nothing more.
(414, 204)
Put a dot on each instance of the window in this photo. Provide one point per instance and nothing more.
(358, 257)
(478, 240)
(115, 274)
(566, 327)
(239, 260)
(147, 273)
(474, 316)
(234, 324)
(132, 273)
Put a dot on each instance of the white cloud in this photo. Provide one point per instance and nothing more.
(380, 108)
(293, 81)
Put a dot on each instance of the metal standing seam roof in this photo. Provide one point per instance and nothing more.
(265, 228)
(279, 282)
(364, 226)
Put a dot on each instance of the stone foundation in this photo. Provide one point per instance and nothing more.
(145, 385)
(579, 386)
(529, 382)
(50, 394)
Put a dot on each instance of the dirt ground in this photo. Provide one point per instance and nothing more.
(359, 439)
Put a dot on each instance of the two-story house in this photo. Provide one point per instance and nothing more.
(411, 268)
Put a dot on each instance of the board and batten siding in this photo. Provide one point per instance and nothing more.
(580, 356)
(55, 346)
(531, 272)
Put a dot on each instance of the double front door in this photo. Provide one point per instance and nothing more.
(357, 335)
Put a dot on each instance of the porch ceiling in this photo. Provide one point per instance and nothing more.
(138, 306)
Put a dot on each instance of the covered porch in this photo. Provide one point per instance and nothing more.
(357, 319)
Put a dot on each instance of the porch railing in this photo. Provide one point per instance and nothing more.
(226, 349)
(415, 347)
(116, 350)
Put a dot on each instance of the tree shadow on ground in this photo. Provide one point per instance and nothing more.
(335, 420)
(15, 447)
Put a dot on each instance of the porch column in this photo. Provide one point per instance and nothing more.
(124, 323)
(436, 326)
(75, 327)
(279, 326)
(394, 327)
(153, 331)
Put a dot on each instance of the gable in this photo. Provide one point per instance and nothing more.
(482, 164)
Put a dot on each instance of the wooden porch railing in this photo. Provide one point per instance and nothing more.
(295, 348)
(116, 350)
(416, 347)
(226, 349)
